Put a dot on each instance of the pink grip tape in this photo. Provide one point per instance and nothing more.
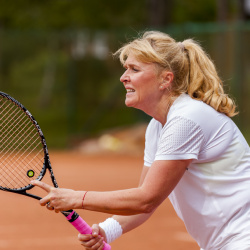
(83, 228)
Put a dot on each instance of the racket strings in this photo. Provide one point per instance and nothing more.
(14, 135)
(16, 141)
(21, 150)
(13, 164)
(19, 160)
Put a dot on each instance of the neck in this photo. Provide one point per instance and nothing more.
(160, 110)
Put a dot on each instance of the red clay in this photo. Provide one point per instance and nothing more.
(25, 225)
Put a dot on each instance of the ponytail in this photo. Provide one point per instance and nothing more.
(204, 82)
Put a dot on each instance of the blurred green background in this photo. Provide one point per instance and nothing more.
(56, 57)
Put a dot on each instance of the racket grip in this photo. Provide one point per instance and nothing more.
(81, 226)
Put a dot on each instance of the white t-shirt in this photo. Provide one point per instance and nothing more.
(213, 196)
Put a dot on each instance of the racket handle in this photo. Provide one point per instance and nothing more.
(81, 226)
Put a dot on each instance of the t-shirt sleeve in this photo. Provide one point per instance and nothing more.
(180, 139)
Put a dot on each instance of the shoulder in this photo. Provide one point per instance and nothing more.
(215, 126)
(187, 107)
(196, 111)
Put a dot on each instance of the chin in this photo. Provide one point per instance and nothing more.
(130, 103)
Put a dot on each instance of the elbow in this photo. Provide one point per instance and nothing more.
(149, 206)
(146, 202)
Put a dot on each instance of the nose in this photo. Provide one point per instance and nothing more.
(124, 78)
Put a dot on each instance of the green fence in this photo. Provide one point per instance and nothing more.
(70, 81)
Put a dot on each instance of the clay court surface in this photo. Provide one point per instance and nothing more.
(25, 225)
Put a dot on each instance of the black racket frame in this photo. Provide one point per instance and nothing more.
(46, 164)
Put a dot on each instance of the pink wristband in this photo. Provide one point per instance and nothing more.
(84, 198)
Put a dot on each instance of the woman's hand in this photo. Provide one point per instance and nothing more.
(59, 199)
(95, 240)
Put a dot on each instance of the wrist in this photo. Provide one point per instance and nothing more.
(80, 199)
(83, 198)
(102, 233)
(112, 229)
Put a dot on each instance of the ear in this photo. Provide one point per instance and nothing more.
(167, 78)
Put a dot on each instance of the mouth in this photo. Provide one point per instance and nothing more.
(130, 90)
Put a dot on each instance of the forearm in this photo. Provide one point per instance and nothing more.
(112, 228)
(122, 202)
(131, 222)
(159, 182)
(157, 185)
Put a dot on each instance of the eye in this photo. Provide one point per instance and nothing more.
(135, 69)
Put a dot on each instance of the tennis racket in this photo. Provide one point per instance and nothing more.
(24, 155)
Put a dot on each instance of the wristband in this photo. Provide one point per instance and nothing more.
(112, 229)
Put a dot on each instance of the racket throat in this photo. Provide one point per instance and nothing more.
(70, 215)
(30, 195)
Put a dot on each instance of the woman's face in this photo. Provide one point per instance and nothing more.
(142, 84)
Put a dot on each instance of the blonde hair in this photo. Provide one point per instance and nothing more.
(194, 72)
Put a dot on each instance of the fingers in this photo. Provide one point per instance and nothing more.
(49, 207)
(59, 198)
(42, 185)
(46, 200)
(95, 230)
(90, 242)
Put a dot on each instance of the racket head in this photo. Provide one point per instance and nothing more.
(23, 150)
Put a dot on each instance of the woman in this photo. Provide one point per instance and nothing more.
(194, 153)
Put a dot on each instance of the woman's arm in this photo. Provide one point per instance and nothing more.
(127, 224)
(130, 222)
(160, 180)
